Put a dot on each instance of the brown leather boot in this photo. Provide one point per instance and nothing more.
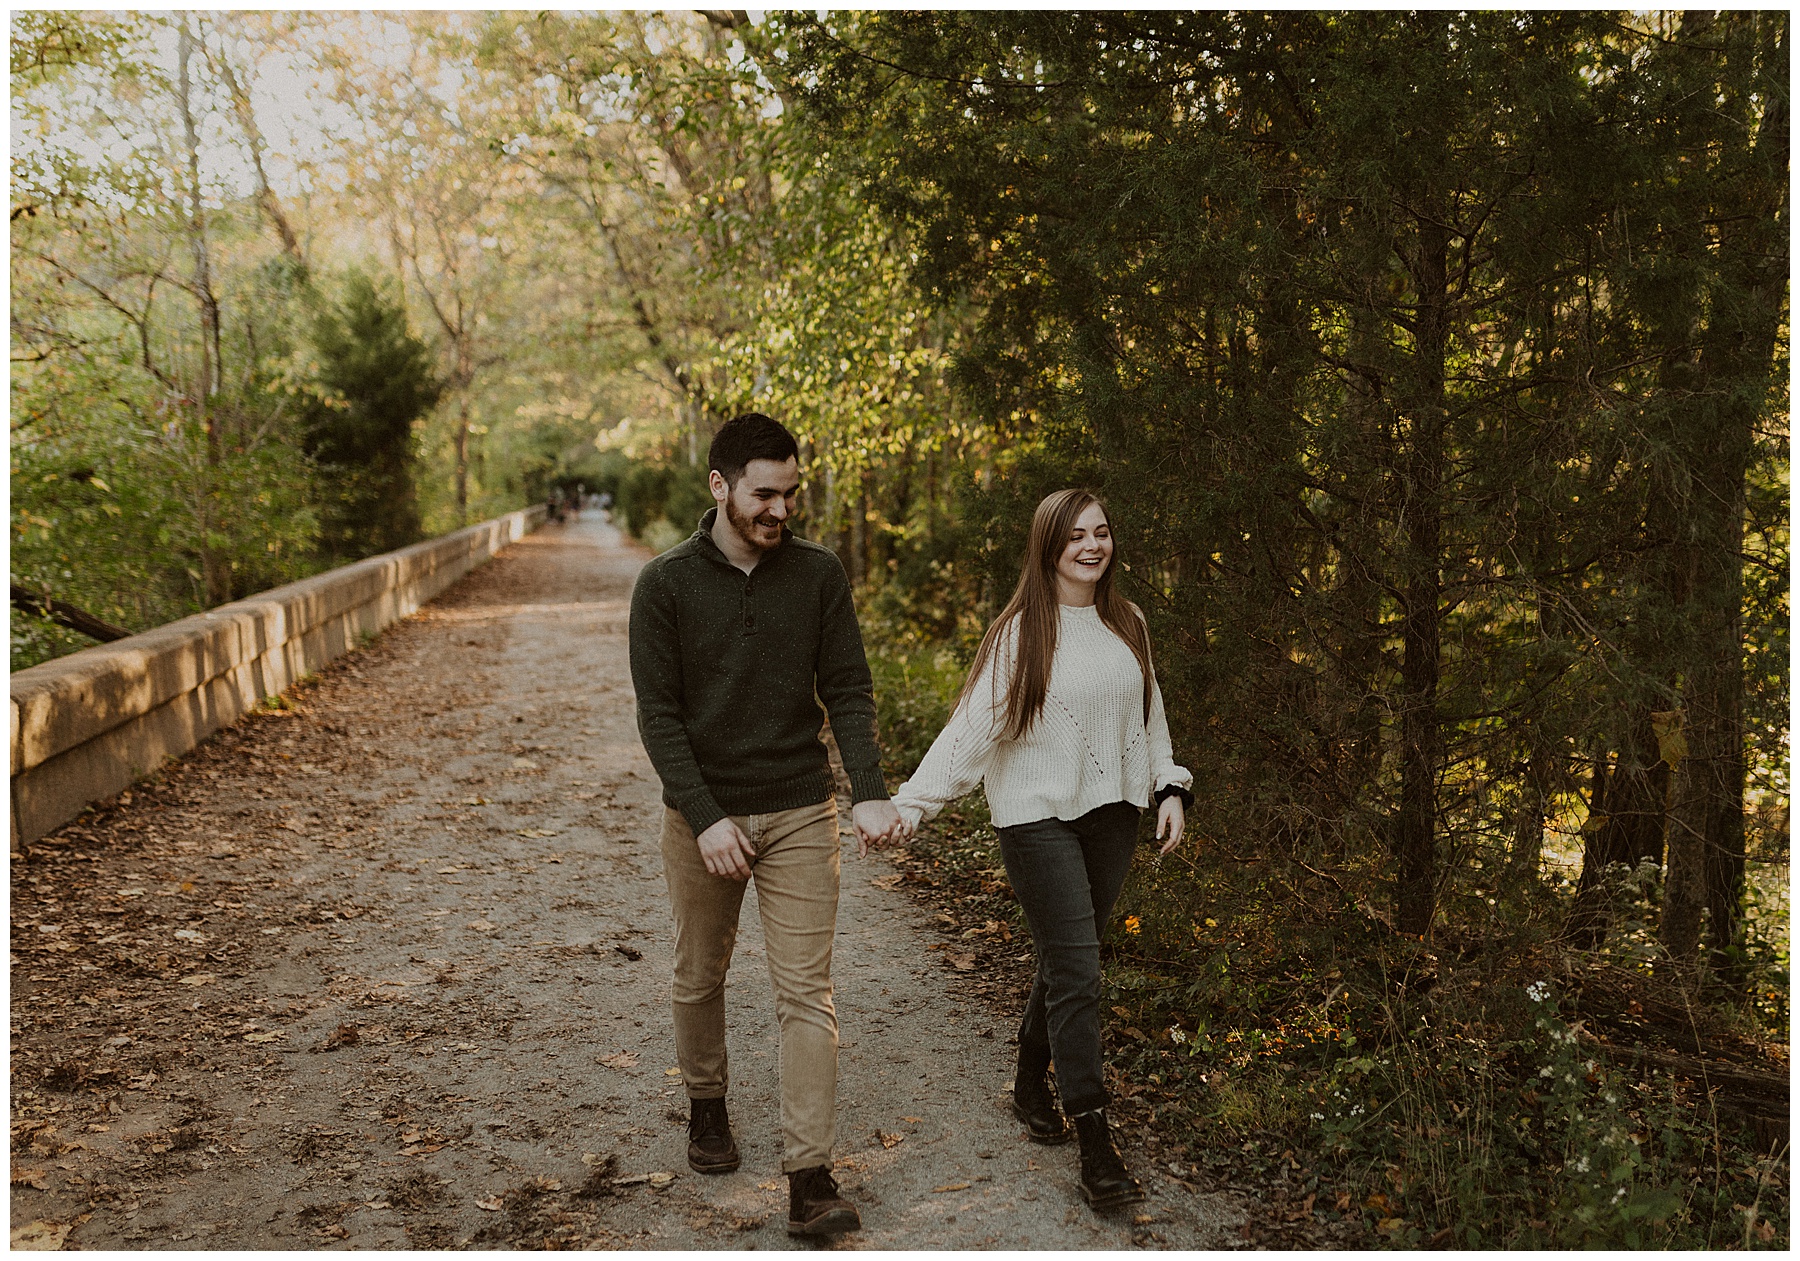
(815, 1207)
(711, 1149)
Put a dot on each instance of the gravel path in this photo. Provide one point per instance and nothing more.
(390, 969)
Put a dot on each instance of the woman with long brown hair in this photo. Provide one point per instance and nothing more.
(1061, 722)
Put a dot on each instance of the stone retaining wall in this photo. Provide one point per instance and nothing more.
(87, 725)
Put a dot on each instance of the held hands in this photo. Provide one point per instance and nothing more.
(726, 851)
(877, 823)
(1170, 822)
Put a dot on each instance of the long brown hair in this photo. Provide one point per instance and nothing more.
(1035, 608)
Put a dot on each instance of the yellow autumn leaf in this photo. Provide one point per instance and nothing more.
(1671, 743)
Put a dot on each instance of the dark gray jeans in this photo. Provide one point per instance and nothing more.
(1067, 876)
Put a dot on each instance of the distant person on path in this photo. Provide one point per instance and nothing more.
(1062, 722)
(734, 633)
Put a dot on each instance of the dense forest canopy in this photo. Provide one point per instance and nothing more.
(1434, 367)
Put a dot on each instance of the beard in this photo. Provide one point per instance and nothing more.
(747, 527)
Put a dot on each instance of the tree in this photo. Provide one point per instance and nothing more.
(379, 382)
(1350, 313)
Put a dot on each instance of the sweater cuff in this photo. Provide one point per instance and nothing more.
(699, 809)
(867, 785)
(1176, 790)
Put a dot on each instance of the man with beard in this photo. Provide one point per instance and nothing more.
(737, 636)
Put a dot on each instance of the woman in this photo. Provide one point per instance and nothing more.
(1062, 723)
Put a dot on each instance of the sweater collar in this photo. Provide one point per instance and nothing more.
(703, 540)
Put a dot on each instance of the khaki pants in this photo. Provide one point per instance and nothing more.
(796, 874)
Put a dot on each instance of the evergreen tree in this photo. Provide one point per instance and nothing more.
(1372, 325)
(377, 379)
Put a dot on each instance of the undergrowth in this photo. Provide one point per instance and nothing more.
(1488, 1089)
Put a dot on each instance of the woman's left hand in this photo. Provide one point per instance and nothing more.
(1170, 823)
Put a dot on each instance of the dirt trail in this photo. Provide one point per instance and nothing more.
(390, 969)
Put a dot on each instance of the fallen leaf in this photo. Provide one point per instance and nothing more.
(449, 871)
(660, 1179)
(524, 764)
(914, 1120)
(482, 926)
(188, 934)
(29, 1178)
(671, 1072)
(198, 978)
(630, 952)
(888, 883)
(953, 1186)
(961, 962)
(622, 1060)
(888, 1140)
(40, 1236)
(264, 1037)
(489, 1205)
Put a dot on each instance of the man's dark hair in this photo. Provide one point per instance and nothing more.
(752, 436)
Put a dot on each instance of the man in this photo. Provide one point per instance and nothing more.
(737, 635)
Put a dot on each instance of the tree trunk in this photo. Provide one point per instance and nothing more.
(1628, 818)
(1737, 350)
(253, 139)
(215, 573)
(462, 456)
(1421, 630)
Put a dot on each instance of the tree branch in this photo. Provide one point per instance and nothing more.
(64, 614)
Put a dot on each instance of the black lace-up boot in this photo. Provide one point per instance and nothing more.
(1033, 1103)
(711, 1149)
(815, 1207)
(1105, 1182)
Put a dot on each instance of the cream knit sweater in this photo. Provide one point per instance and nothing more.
(1089, 747)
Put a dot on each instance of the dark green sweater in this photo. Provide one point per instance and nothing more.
(730, 670)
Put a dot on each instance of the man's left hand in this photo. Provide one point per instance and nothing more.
(876, 822)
